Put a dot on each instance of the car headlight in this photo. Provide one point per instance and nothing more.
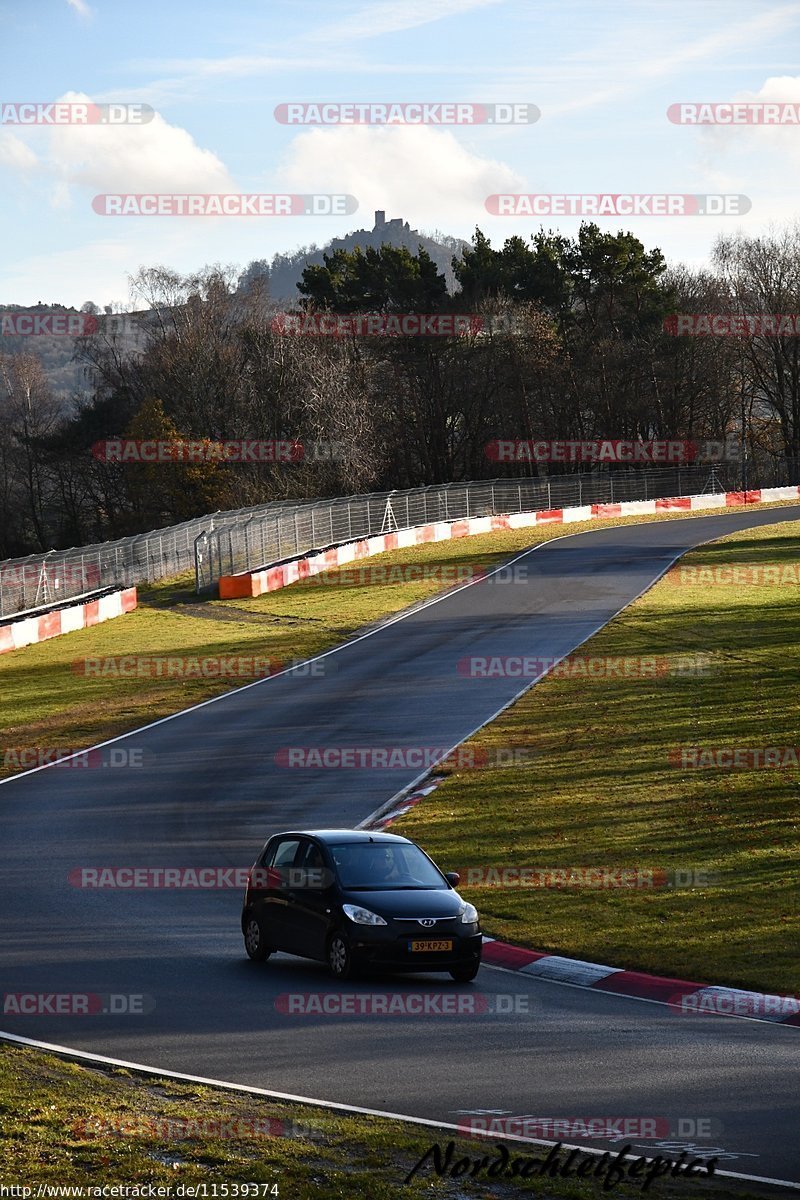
(469, 914)
(362, 916)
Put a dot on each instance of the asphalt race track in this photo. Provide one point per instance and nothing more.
(208, 793)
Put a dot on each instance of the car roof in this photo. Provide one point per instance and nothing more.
(338, 836)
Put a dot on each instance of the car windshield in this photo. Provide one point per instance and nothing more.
(363, 866)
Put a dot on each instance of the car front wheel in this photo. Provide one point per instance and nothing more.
(465, 974)
(254, 943)
(340, 960)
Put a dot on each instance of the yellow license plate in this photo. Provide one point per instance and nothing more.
(445, 944)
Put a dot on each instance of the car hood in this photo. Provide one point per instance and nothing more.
(417, 903)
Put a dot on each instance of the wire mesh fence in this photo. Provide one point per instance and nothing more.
(40, 580)
(225, 543)
(266, 538)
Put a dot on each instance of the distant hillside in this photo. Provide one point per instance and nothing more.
(70, 379)
(25, 329)
(285, 271)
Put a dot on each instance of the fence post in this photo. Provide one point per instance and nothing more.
(198, 559)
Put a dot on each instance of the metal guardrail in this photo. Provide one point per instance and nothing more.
(224, 543)
(38, 580)
(264, 539)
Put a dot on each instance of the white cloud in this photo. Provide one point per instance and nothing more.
(761, 159)
(155, 157)
(424, 175)
(16, 154)
(80, 7)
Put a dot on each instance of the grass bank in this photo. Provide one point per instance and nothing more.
(636, 772)
(62, 1124)
(48, 701)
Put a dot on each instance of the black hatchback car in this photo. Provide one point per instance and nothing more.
(357, 900)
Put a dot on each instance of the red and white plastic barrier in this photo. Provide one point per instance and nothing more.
(680, 995)
(31, 630)
(271, 579)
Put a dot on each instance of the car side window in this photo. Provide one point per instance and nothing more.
(282, 854)
(310, 870)
(311, 857)
(279, 862)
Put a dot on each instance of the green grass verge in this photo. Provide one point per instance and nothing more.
(598, 793)
(45, 701)
(66, 1124)
(601, 791)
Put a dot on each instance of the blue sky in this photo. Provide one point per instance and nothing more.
(602, 73)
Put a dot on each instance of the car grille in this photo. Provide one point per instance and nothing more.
(440, 925)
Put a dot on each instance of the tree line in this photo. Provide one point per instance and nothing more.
(575, 345)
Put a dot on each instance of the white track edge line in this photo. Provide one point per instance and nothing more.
(83, 1055)
(418, 779)
(385, 807)
(588, 987)
(383, 624)
(354, 641)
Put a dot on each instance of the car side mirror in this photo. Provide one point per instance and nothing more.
(452, 878)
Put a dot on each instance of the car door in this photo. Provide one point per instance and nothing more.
(308, 911)
(272, 893)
